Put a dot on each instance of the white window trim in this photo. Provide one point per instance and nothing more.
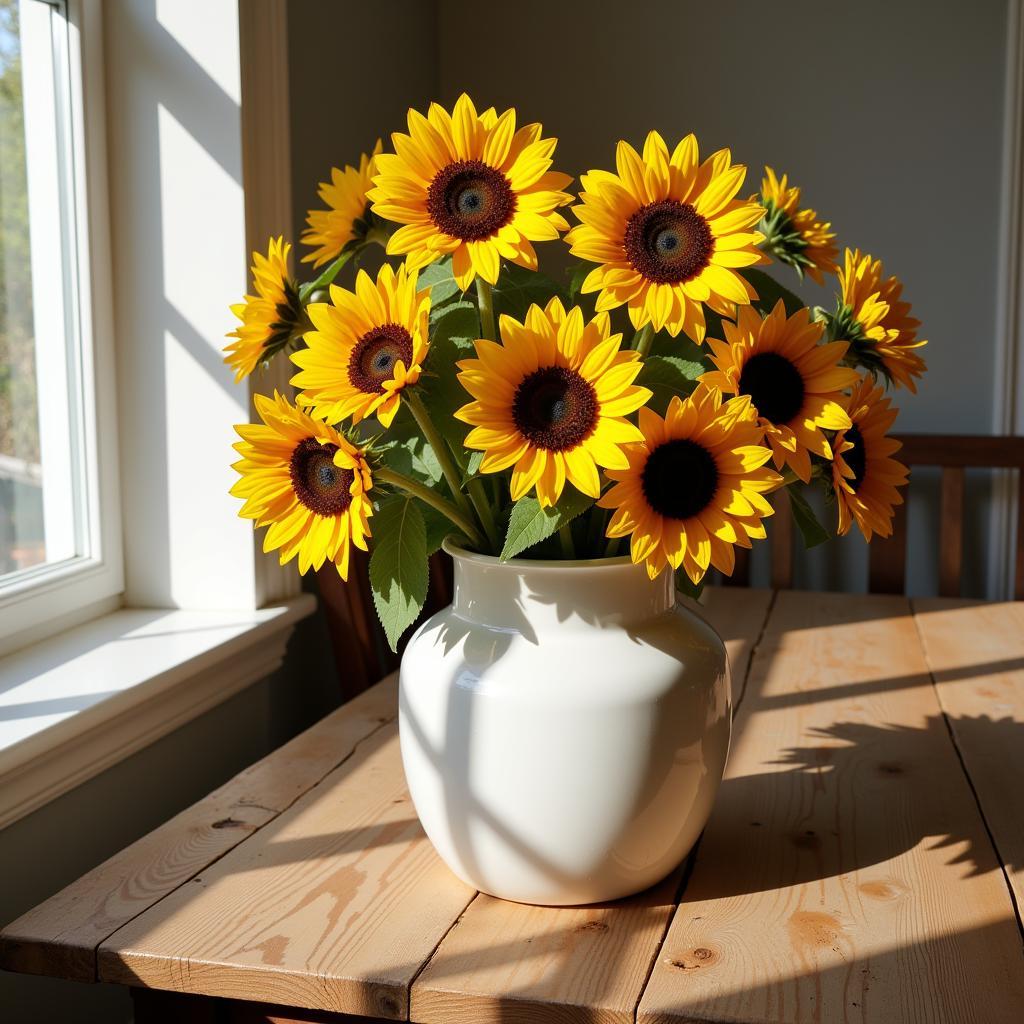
(55, 597)
(118, 682)
(110, 687)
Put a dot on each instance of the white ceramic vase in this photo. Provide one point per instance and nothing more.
(564, 727)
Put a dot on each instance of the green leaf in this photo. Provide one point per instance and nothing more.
(769, 291)
(529, 524)
(412, 456)
(439, 279)
(687, 587)
(668, 376)
(518, 288)
(803, 515)
(453, 333)
(438, 527)
(398, 565)
(330, 272)
(576, 279)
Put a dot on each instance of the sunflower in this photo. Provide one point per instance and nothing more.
(368, 345)
(470, 185)
(669, 235)
(877, 321)
(795, 385)
(864, 475)
(551, 400)
(306, 482)
(694, 487)
(344, 219)
(792, 235)
(270, 317)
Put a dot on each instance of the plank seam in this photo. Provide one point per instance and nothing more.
(967, 775)
(754, 648)
(382, 723)
(691, 860)
(433, 952)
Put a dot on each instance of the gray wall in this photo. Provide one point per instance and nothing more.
(890, 115)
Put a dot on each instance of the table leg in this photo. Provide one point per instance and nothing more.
(155, 1007)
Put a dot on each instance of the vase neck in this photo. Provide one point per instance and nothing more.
(517, 594)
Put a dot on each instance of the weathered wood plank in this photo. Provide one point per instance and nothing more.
(335, 905)
(517, 964)
(60, 936)
(514, 964)
(976, 654)
(738, 616)
(846, 874)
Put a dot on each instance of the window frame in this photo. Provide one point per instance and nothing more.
(46, 599)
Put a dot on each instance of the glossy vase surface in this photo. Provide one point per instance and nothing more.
(564, 727)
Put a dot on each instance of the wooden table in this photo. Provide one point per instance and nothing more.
(863, 861)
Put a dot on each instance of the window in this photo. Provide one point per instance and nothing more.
(41, 514)
(52, 500)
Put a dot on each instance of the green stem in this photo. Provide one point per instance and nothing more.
(644, 339)
(485, 300)
(440, 446)
(565, 539)
(484, 511)
(430, 497)
(612, 549)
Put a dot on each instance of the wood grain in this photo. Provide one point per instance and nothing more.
(976, 654)
(515, 964)
(60, 936)
(846, 874)
(335, 905)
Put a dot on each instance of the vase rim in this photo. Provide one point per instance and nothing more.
(456, 550)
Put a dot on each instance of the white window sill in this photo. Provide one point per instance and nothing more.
(79, 702)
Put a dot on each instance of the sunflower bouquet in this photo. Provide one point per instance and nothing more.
(663, 390)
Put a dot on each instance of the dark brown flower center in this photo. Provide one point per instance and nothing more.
(470, 200)
(775, 386)
(555, 408)
(855, 457)
(289, 316)
(679, 479)
(668, 242)
(317, 482)
(374, 356)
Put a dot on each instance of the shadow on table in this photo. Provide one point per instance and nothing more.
(860, 796)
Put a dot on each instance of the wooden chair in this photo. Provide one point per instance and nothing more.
(953, 453)
(361, 653)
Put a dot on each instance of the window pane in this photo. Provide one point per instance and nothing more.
(39, 466)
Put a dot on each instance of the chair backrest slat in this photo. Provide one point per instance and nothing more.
(781, 530)
(951, 531)
(887, 557)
